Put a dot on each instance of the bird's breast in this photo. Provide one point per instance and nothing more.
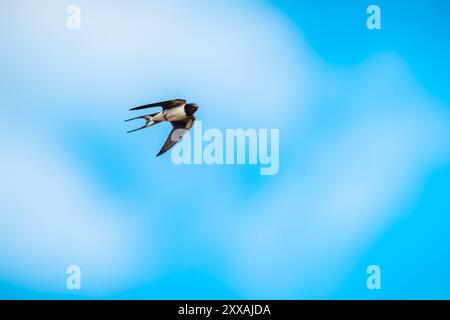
(175, 114)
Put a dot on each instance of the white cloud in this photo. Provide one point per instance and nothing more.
(341, 190)
(52, 217)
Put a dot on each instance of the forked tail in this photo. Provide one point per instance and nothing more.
(148, 119)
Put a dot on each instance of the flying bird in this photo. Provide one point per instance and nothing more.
(179, 113)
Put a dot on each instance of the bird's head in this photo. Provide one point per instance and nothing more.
(191, 108)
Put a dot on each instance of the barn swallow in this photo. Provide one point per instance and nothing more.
(179, 113)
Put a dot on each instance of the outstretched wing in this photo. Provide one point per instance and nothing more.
(163, 104)
(179, 129)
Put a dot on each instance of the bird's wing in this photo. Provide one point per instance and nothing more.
(179, 129)
(163, 104)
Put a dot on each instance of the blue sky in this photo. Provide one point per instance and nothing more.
(364, 150)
